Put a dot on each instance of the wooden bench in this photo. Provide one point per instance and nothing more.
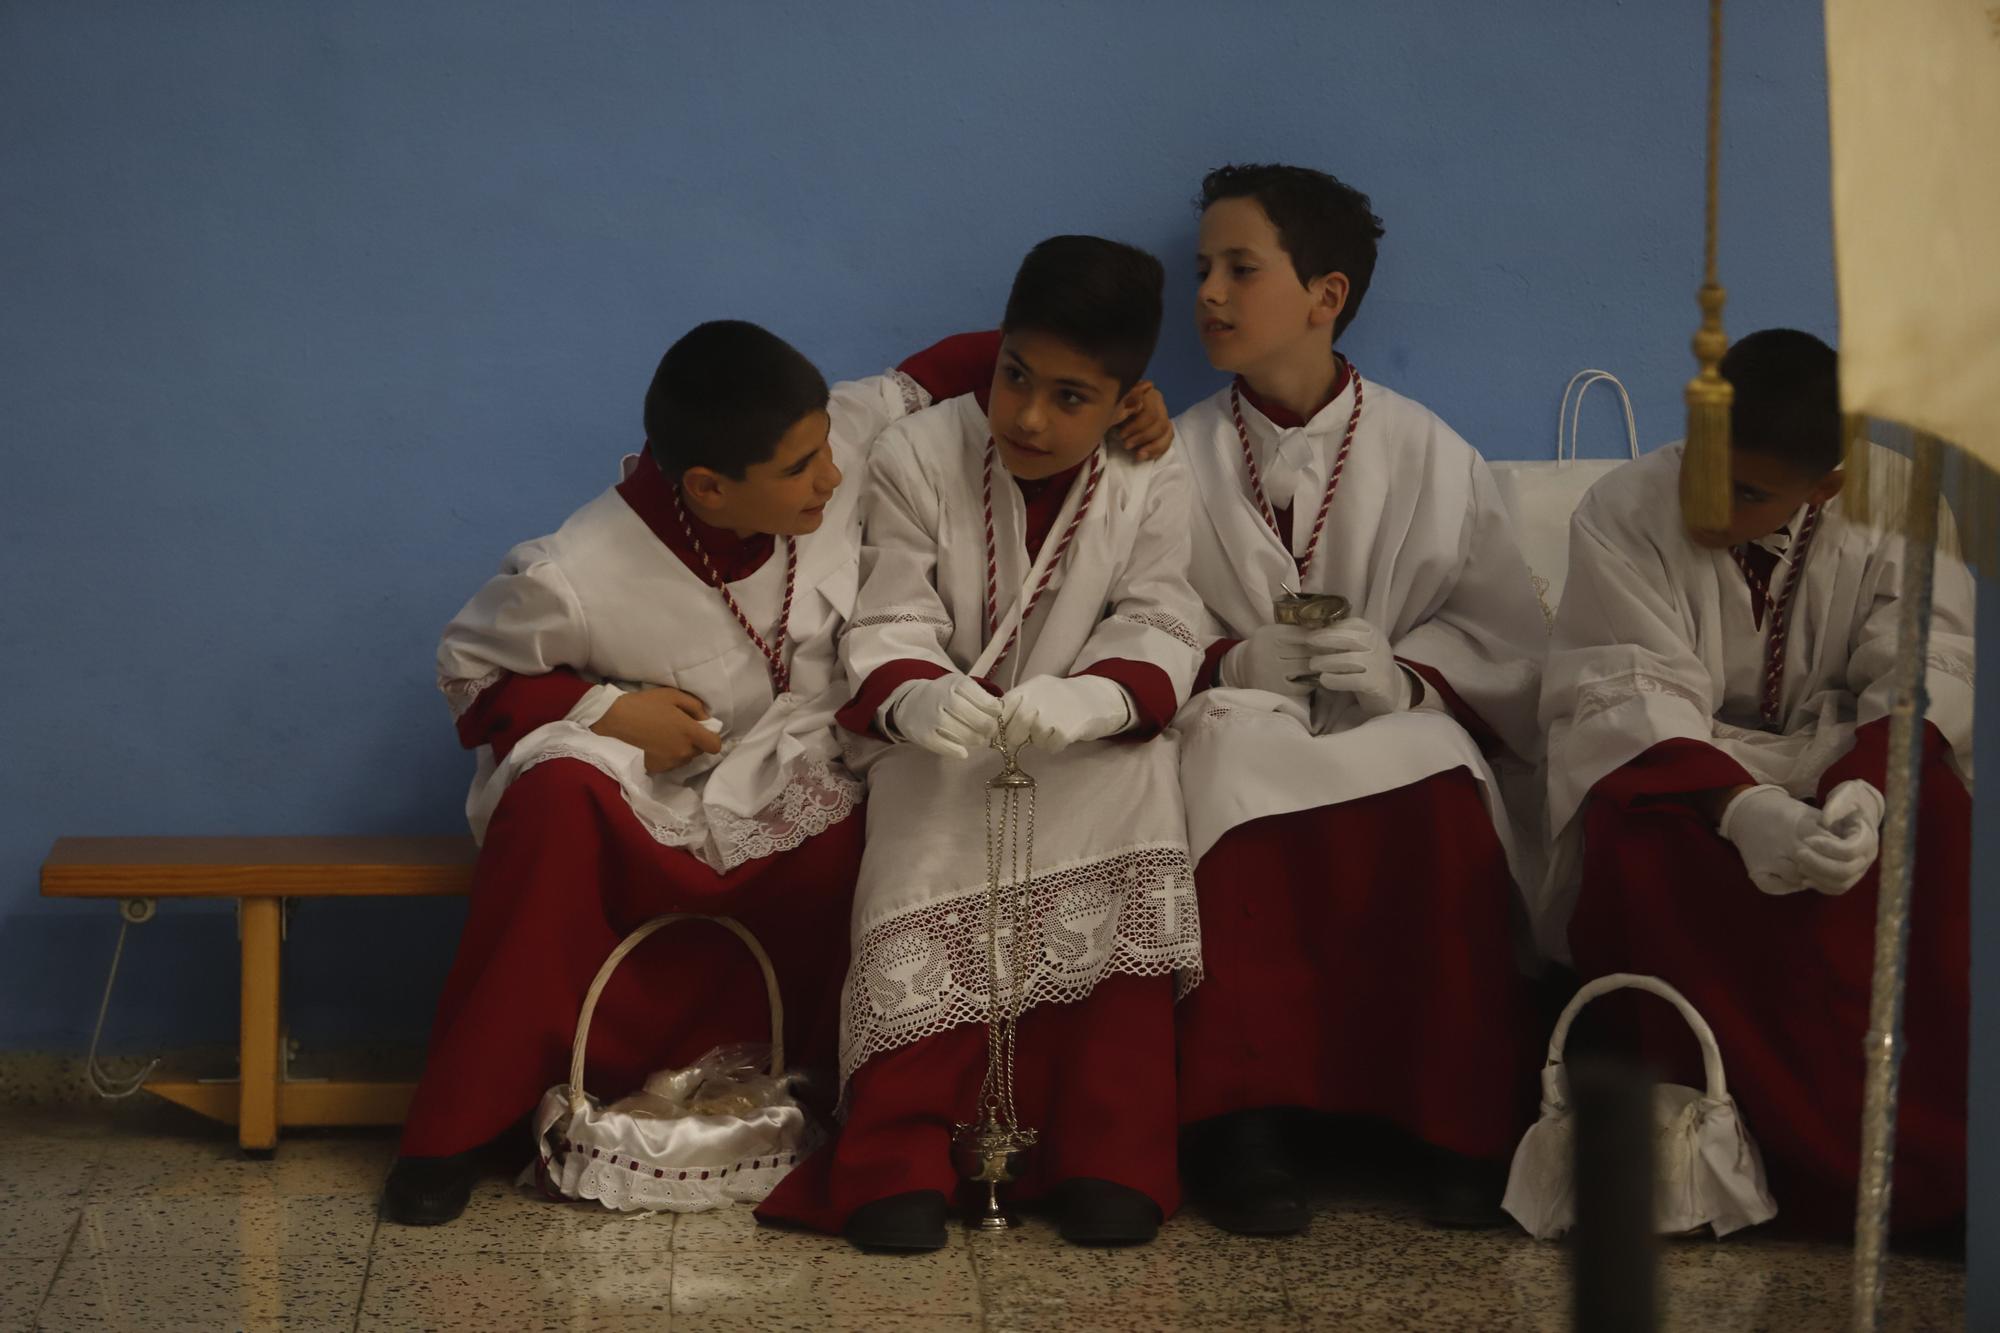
(261, 873)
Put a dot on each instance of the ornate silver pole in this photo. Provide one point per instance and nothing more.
(1892, 911)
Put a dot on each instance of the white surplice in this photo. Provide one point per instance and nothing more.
(604, 597)
(1113, 889)
(1656, 640)
(1419, 544)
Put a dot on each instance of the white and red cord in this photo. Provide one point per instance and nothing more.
(1055, 559)
(1332, 481)
(774, 648)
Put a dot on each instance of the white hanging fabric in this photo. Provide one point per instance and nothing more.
(1540, 495)
(1913, 99)
(1708, 1172)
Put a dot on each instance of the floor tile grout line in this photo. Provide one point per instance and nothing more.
(367, 1271)
(69, 1244)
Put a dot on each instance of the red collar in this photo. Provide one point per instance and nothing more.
(1283, 417)
(1043, 499)
(651, 497)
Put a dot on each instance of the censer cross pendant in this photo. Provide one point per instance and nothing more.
(992, 1151)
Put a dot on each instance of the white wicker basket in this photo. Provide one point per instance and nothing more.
(684, 1164)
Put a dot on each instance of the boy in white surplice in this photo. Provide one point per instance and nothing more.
(1017, 576)
(1717, 704)
(651, 692)
(1357, 905)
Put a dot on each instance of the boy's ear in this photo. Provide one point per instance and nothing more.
(1829, 486)
(704, 487)
(1329, 294)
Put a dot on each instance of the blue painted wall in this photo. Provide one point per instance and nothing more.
(307, 313)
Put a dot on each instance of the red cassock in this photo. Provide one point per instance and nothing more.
(1094, 1077)
(566, 871)
(1785, 981)
(1359, 959)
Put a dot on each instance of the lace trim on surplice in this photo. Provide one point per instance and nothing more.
(899, 618)
(1601, 696)
(818, 794)
(1951, 664)
(925, 971)
(461, 692)
(1171, 626)
(915, 397)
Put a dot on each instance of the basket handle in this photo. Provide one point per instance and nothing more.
(633, 941)
(1711, 1055)
(1566, 415)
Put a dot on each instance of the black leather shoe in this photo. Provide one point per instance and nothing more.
(1242, 1177)
(1098, 1212)
(430, 1191)
(1465, 1193)
(912, 1221)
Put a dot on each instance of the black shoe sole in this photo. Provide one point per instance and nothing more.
(428, 1192)
(900, 1224)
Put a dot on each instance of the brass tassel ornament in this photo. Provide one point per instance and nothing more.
(1706, 499)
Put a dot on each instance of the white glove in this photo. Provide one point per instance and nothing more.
(1353, 657)
(1273, 658)
(948, 715)
(1059, 711)
(1852, 837)
(1785, 847)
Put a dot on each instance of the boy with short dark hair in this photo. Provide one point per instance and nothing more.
(1352, 851)
(1716, 704)
(651, 690)
(1020, 581)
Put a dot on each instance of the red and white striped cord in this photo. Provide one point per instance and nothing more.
(1055, 559)
(1332, 481)
(773, 649)
(1772, 704)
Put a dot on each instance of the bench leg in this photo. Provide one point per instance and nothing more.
(257, 1114)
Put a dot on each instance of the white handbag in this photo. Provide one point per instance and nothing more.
(1541, 496)
(694, 1139)
(1708, 1172)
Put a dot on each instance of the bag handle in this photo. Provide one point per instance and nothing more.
(633, 941)
(1571, 416)
(1711, 1056)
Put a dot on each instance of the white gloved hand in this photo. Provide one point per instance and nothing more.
(1783, 844)
(1353, 657)
(948, 715)
(1851, 836)
(1059, 711)
(1273, 658)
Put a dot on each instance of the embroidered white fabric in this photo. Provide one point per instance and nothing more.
(899, 618)
(1542, 590)
(1172, 626)
(1951, 664)
(1600, 695)
(926, 971)
(915, 397)
(460, 693)
(819, 795)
